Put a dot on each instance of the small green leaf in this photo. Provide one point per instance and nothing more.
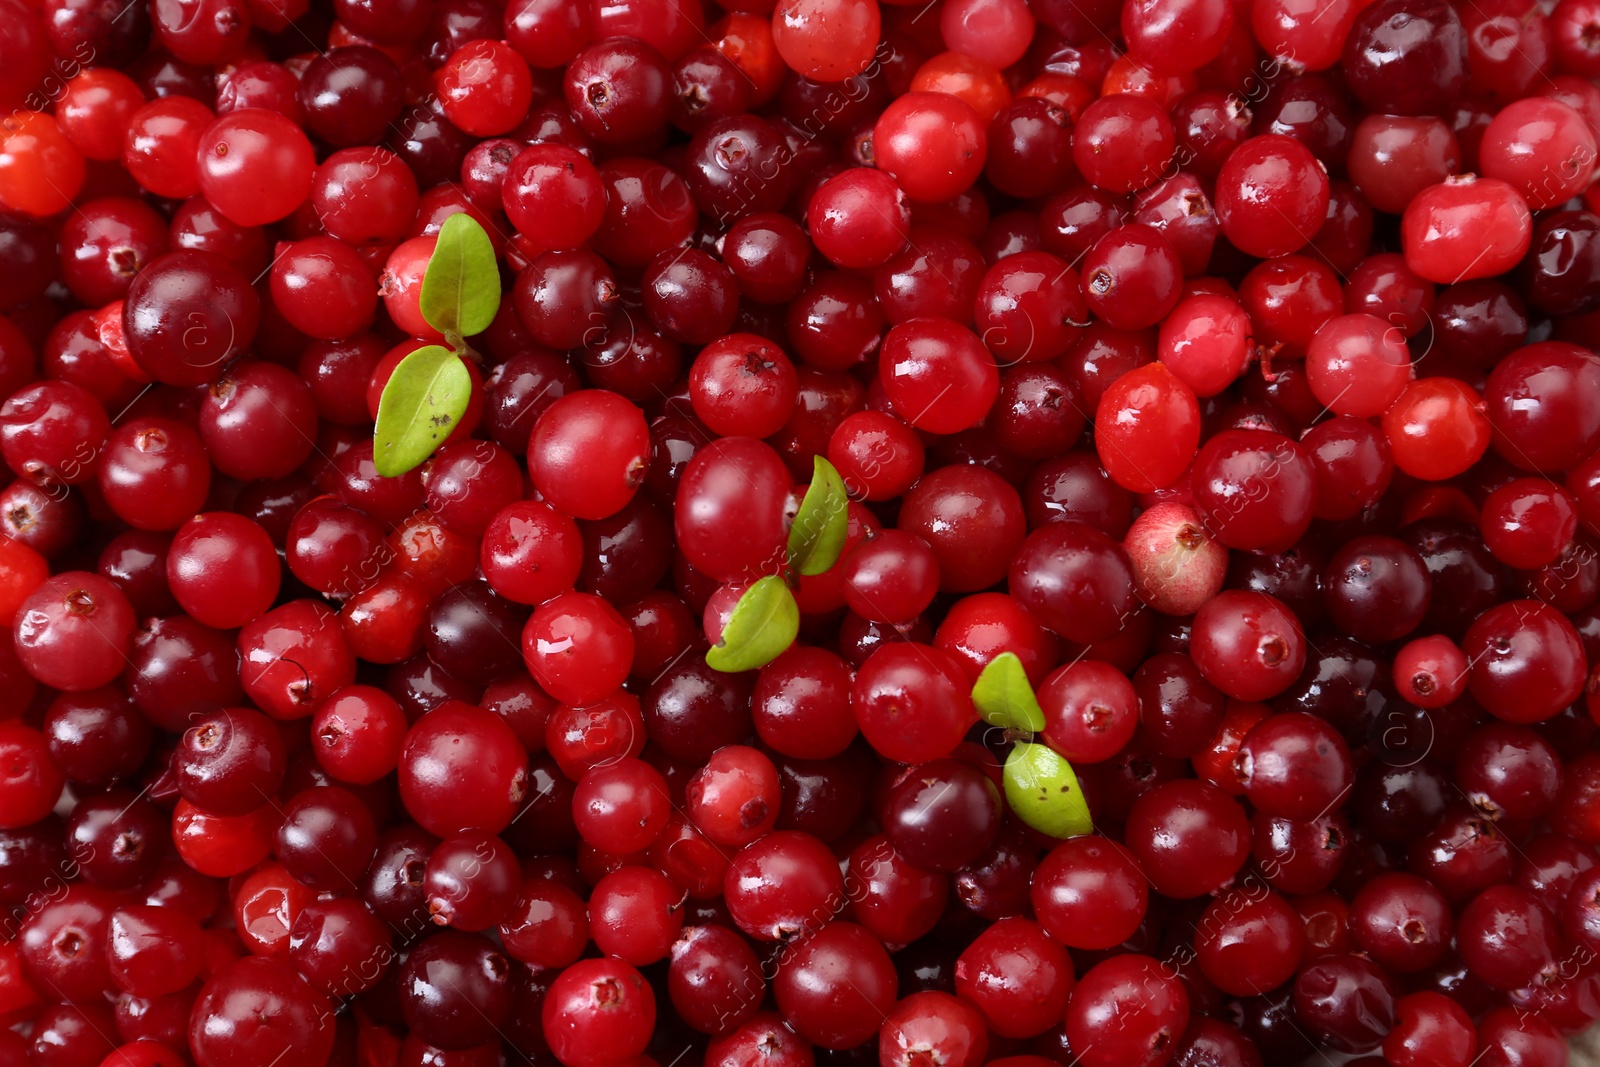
(1004, 698)
(461, 288)
(764, 623)
(823, 522)
(1043, 791)
(421, 405)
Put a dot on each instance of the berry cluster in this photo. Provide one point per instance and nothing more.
(799, 533)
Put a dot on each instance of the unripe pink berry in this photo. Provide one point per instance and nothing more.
(1176, 567)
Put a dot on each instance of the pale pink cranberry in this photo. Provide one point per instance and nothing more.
(1176, 567)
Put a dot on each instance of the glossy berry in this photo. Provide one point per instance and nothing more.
(255, 166)
(730, 517)
(1294, 765)
(1123, 143)
(485, 88)
(72, 631)
(1189, 837)
(859, 218)
(286, 1012)
(1075, 580)
(186, 315)
(836, 1014)
(1248, 943)
(435, 784)
(33, 781)
(195, 575)
(1526, 647)
(598, 1012)
(1132, 277)
(1110, 991)
(912, 702)
(588, 453)
(1437, 222)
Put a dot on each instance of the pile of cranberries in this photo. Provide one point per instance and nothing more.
(1229, 363)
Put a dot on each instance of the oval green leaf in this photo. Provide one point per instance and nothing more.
(821, 525)
(764, 623)
(461, 287)
(421, 405)
(1043, 791)
(1004, 697)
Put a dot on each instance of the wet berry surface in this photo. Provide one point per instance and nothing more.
(799, 533)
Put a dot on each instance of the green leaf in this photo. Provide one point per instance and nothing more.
(1043, 791)
(764, 623)
(1004, 698)
(461, 288)
(823, 522)
(421, 405)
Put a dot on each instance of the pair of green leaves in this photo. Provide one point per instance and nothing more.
(428, 393)
(766, 619)
(1040, 785)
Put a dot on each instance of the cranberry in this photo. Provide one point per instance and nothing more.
(894, 899)
(841, 1014)
(1506, 938)
(1294, 765)
(1402, 921)
(800, 704)
(1357, 365)
(1132, 277)
(692, 710)
(932, 1023)
(1191, 824)
(767, 254)
(1437, 222)
(1271, 192)
(1538, 145)
(255, 166)
(763, 1035)
(1150, 428)
(455, 990)
(725, 528)
(326, 838)
(1254, 489)
(434, 785)
(339, 946)
(255, 1005)
(106, 245)
(971, 518)
(589, 452)
(1075, 580)
(1346, 1000)
(1562, 260)
(33, 783)
(933, 144)
(1149, 1002)
(734, 799)
(1247, 942)
(72, 631)
(912, 702)
(187, 314)
(598, 1012)
(471, 881)
(1247, 644)
(1513, 644)
(351, 95)
(1089, 894)
(42, 171)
